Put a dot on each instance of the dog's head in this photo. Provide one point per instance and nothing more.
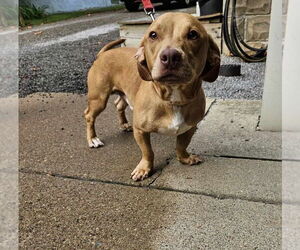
(176, 49)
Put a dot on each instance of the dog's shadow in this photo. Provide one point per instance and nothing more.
(160, 166)
(163, 154)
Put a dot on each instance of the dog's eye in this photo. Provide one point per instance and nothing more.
(153, 35)
(193, 35)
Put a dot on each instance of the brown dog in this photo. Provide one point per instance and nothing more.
(160, 81)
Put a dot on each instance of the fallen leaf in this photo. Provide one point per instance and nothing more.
(38, 32)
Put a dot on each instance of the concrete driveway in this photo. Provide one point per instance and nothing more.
(75, 197)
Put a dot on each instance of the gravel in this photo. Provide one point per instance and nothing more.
(247, 86)
(60, 68)
(63, 67)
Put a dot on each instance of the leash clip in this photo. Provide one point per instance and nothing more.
(150, 12)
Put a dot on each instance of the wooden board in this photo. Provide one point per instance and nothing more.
(214, 29)
(213, 18)
(134, 33)
(141, 21)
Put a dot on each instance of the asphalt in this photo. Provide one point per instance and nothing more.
(76, 197)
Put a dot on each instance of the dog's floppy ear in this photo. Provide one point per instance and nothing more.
(142, 65)
(211, 70)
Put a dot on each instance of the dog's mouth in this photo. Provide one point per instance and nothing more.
(168, 75)
(171, 77)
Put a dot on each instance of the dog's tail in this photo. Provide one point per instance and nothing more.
(111, 45)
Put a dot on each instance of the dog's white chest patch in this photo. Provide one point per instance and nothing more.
(177, 125)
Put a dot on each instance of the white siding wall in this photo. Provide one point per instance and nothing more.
(55, 6)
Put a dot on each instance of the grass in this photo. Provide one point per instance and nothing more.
(64, 16)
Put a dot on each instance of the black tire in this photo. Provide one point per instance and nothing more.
(230, 70)
(131, 6)
(185, 3)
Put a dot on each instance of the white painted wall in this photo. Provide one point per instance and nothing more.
(56, 6)
(271, 112)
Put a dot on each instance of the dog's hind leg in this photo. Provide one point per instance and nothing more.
(95, 106)
(121, 106)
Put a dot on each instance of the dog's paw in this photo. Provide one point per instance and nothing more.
(126, 127)
(95, 143)
(191, 160)
(142, 171)
(140, 174)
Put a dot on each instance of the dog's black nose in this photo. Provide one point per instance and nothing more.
(170, 58)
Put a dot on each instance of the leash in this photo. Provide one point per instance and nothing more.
(149, 9)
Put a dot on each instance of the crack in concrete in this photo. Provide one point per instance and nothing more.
(168, 160)
(257, 124)
(209, 108)
(244, 158)
(211, 195)
(154, 179)
(290, 160)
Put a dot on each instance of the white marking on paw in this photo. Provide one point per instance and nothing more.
(95, 143)
(139, 174)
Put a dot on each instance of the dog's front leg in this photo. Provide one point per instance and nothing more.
(145, 166)
(182, 143)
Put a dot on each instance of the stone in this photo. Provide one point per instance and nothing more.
(253, 7)
(258, 7)
(257, 28)
(241, 7)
